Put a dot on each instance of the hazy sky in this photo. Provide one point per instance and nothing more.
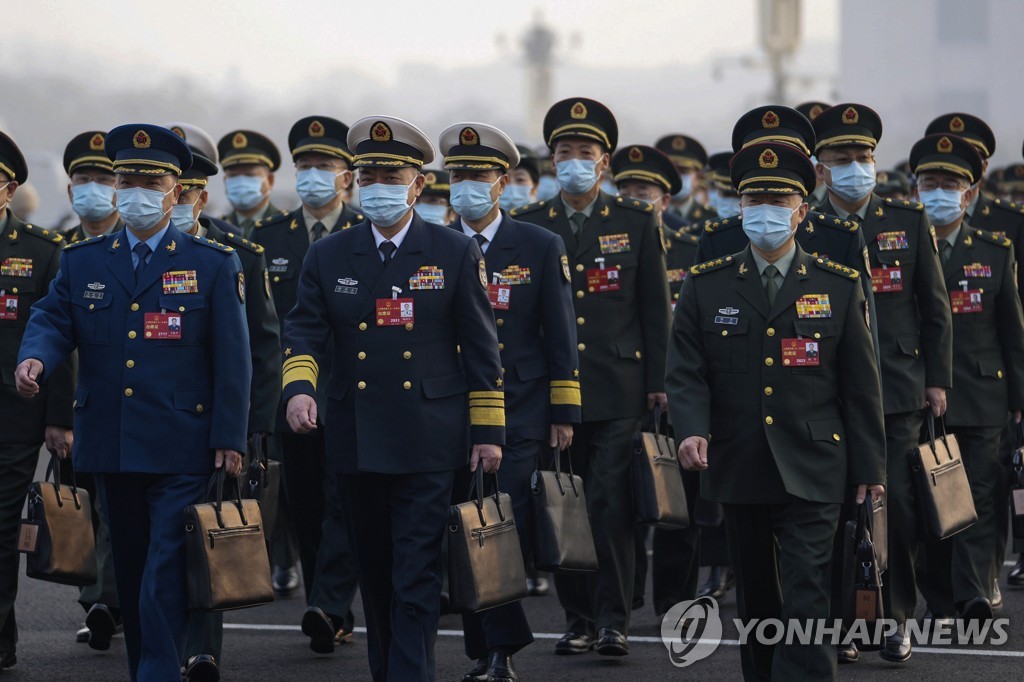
(275, 44)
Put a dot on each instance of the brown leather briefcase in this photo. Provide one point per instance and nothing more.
(658, 494)
(943, 490)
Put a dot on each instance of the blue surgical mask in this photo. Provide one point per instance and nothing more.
(547, 187)
(384, 204)
(432, 213)
(316, 187)
(726, 207)
(514, 196)
(183, 215)
(687, 188)
(141, 209)
(853, 181)
(244, 191)
(942, 205)
(471, 199)
(766, 226)
(93, 201)
(577, 176)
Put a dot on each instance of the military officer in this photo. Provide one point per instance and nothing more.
(29, 259)
(988, 356)
(400, 297)
(893, 185)
(205, 633)
(434, 203)
(318, 515)
(617, 263)
(249, 160)
(523, 180)
(914, 331)
(689, 157)
(175, 397)
(775, 398)
(810, 110)
(531, 298)
(91, 190)
(721, 195)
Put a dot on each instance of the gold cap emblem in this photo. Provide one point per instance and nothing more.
(956, 125)
(678, 143)
(96, 143)
(239, 140)
(945, 145)
(635, 155)
(468, 136)
(770, 120)
(380, 132)
(316, 129)
(142, 140)
(850, 116)
(578, 111)
(768, 159)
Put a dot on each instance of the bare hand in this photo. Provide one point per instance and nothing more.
(301, 413)
(693, 453)
(490, 455)
(26, 377)
(877, 492)
(59, 440)
(561, 436)
(936, 399)
(231, 460)
(1016, 416)
(659, 398)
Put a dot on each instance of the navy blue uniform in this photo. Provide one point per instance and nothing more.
(149, 412)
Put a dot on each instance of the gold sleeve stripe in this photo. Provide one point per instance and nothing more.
(565, 396)
(565, 384)
(486, 416)
(306, 360)
(298, 374)
(491, 395)
(487, 403)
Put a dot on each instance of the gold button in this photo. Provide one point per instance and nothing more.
(579, 267)
(128, 392)
(769, 362)
(91, 306)
(999, 374)
(408, 326)
(361, 385)
(407, 385)
(129, 364)
(638, 356)
(770, 331)
(200, 408)
(582, 346)
(361, 355)
(500, 322)
(132, 334)
(135, 307)
(768, 390)
(501, 346)
(579, 294)
(407, 355)
(276, 278)
(817, 335)
(769, 421)
(835, 437)
(916, 352)
(362, 326)
(14, 290)
(181, 309)
(580, 320)
(725, 332)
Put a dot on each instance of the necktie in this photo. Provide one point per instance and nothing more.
(578, 220)
(771, 284)
(946, 250)
(388, 249)
(318, 230)
(481, 240)
(142, 252)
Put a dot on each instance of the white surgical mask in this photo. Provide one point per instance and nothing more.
(384, 204)
(766, 226)
(142, 209)
(942, 205)
(853, 181)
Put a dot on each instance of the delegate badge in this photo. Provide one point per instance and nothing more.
(886, 280)
(162, 326)
(600, 279)
(968, 301)
(8, 307)
(813, 306)
(499, 294)
(800, 353)
(394, 312)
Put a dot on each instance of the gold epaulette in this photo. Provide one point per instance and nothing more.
(909, 205)
(837, 223)
(48, 235)
(831, 266)
(635, 204)
(88, 240)
(711, 265)
(997, 239)
(528, 208)
(207, 242)
(270, 220)
(243, 242)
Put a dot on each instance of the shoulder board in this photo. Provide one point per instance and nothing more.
(270, 220)
(712, 265)
(908, 205)
(89, 240)
(724, 224)
(1008, 206)
(686, 237)
(240, 242)
(635, 204)
(836, 268)
(212, 244)
(529, 208)
(996, 239)
(836, 223)
(48, 235)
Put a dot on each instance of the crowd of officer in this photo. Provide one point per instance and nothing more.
(432, 307)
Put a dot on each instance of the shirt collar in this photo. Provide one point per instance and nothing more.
(953, 236)
(397, 240)
(488, 232)
(845, 215)
(782, 264)
(4, 221)
(587, 210)
(152, 242)
(329, 220)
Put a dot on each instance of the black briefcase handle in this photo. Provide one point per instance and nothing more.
(476, 485)
(215, 494)
(556, 458)
(53, 468)
(259, 462)
(931, 434)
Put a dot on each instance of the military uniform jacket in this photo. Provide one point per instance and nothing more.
(696, 214)
(779, 424)
(29, 259)
(1006, 219)
(149, 405)
(264, 327)
(988, 346)
(78, 233)
(680, 256)
(622, 334)
(914, 326)
(398, 396)
(537, 333)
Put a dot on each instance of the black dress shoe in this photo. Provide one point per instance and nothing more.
(478, 673)
(574, 643)
(7, 660)
(720, 580)
(897, 646)
(202, 668)
(320, 630)
(977, 609)
(285, 580)
(847, 653)
(611, 643)
(102, 627)
(537, 587)
(82, 636)
(499, 668)
(1015, 578)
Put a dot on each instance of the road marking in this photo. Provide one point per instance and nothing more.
(261, 627)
